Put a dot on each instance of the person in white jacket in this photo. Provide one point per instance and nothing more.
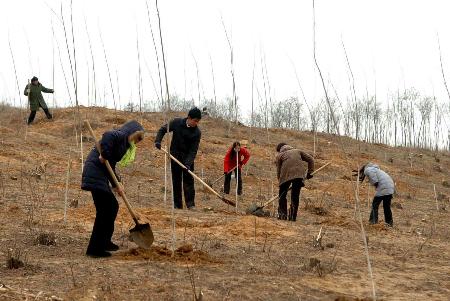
(384, 189)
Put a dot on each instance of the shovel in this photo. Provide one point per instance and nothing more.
(141, 234)
(218, 179)
(257, 209)
(223, 199)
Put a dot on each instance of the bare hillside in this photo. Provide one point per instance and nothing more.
(228, 255)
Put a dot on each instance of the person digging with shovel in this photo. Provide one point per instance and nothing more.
(184, 147)
(34, 93)
(229, 164)
(117, 147)
(385, 188)
(290, 171)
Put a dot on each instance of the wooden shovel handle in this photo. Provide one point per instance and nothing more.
(223, 176)
(320, 168)
(229, 202)
(276, 196)
(111, 172)
(271, 200)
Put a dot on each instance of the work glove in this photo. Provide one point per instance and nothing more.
(376, 185)
(188, 166)
(309, 176)
(158, 145)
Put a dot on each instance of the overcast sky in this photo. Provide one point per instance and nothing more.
(390, 44)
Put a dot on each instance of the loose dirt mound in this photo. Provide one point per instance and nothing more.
(340, 221)
(184, 253)
(247, 225)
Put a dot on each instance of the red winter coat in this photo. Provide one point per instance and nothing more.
(229, 162)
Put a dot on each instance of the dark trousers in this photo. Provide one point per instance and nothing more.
(297, 184)
(33, 114)
(106, 207)
(386, 199)
(181, 178)
(226, 184)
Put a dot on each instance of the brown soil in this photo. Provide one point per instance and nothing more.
(231, 255)
(183, 254)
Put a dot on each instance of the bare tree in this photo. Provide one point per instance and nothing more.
(232, 71)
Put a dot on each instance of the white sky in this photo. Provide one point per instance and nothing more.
(392, 43)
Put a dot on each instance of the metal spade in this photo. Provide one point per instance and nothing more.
(141, 234)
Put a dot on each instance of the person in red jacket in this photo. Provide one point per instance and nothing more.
(229, 164)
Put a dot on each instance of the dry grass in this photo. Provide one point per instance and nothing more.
(234, 256)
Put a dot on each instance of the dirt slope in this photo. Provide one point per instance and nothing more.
(231, 256)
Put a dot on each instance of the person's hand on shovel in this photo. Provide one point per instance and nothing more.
(119, 190)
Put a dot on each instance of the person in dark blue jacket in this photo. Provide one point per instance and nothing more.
(118, 147)
(184, 147)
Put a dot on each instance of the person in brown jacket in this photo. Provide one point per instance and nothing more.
(291, 171)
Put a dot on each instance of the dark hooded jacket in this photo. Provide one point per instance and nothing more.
(114, 144)
(185, 140)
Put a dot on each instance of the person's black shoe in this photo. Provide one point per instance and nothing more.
(101, 254)
(111, 247)
(282, 216)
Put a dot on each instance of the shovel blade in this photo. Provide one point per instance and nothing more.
(252, 209)
(257, 210)
(142, 235)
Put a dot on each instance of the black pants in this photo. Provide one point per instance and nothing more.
(386, 199)
(226, 184)
(33, 114)
(181, 178)
(106, 207)
(297, 184)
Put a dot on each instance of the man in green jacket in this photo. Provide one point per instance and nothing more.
(34, 93)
